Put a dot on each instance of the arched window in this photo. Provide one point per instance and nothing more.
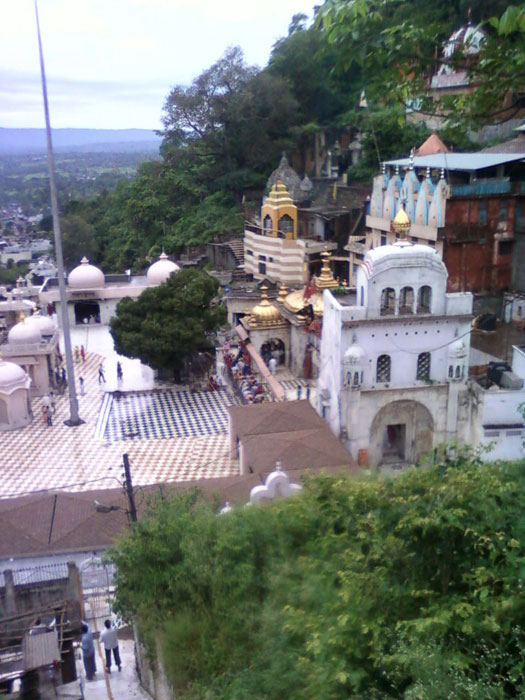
(423, 366)
(356, 378)
(286, 224)
(383, 368)
(406, 301)
(458, 371)
(425, 299)
(362, 301)
(268, 223)
(388, 302)
(450, 371)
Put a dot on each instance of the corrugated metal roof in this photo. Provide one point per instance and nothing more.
(40, 649)
(459, 161)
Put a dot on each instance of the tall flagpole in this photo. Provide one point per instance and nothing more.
(74, 418)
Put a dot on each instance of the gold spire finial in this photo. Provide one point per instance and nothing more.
(326, 279)
(401, 223)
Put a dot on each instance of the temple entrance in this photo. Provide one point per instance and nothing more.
(401, 432)
(273, 348)
(87, 312)
(394, 446)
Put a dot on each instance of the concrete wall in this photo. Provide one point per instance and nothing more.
(151, 672)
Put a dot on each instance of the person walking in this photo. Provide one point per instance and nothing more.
(44, 413)
(81, 382)
(53, 400)
(49, 419)
(110, 640)
(82, 353)
(101, 376)
(272, 364)
(88, 652)
(119, 372)
(63, 376)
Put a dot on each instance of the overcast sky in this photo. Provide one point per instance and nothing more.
(111, 63)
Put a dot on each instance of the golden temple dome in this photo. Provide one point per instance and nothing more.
(265, 314)
(296, 301)
(401, 223)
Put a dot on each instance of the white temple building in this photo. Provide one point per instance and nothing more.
(93, 297)
(15, 403)
(394, 357)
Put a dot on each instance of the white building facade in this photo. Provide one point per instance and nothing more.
(394, 359)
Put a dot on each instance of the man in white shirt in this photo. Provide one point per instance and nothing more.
(109, 638)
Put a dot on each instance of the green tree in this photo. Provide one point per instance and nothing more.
(397, 47)
(78, 240)
(168, 323)
(409, 587)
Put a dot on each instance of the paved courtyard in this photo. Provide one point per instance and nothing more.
(169, 435)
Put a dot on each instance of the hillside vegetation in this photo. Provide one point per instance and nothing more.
(406, 588)
(224, 133)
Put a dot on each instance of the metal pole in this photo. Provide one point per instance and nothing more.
(74, 418)
(128, 486)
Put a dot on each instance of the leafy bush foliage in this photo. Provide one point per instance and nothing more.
(409, 587)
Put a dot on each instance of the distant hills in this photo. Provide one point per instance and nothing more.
(21, 141)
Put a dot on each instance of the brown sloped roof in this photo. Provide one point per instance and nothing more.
(269, 418)
(516, 145)
(313, 449)
(432, 145)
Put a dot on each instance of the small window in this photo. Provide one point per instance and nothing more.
(270, 259)
(262, 268)
(383, 368)
(423, 366)
(383, 239)
(414, 239)
(513, 433)
(388, 301)
(356, 378)
(458, 371)
(503, 210)
(520, 311)
(450, 371)
(491, 433)
(482, 212)
(406, 300)
(268, 223)
(425, 299)
(505, 248)
(262, 257)
(286, 224)
(249, 252)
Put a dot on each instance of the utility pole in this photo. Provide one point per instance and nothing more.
(128, 487)
(74, 418)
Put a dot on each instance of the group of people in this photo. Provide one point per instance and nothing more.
(109, 639)
(80, 353)
(239, 364)
(49, 407)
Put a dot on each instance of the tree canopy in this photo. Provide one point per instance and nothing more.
(397, 46)
(165, 325)
(408, 587)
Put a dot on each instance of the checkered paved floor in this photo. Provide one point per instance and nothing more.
(164, 414)
(88, 456)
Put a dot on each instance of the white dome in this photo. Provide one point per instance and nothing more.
(457, 349)
(354, 355)
(85, 276)
(24, 333)
(12, 377)
(161, 270)
(45, 324)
